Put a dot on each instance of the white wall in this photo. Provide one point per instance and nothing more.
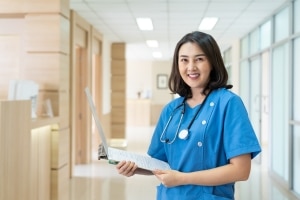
(142, 76)
(160, 96)
(138, 78)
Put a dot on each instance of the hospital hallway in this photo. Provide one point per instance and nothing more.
(100, 180)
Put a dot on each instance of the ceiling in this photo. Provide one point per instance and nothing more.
(172, 19)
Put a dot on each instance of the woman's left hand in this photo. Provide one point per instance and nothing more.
(169, 178)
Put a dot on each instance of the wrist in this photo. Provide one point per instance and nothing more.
(184, 178)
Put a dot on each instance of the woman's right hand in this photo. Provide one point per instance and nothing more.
(126, 168)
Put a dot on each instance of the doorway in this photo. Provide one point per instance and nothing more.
(81, 133)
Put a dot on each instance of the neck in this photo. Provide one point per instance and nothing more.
(197, 99)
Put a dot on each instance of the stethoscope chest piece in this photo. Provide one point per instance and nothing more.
(183, 134)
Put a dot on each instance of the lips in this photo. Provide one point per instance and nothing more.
(194, 75)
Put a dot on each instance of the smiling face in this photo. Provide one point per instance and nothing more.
(194, 66)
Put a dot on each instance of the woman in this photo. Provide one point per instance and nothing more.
(205, 135)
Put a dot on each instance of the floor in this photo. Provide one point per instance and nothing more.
(100, 181)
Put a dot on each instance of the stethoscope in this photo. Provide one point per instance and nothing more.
(184, 133)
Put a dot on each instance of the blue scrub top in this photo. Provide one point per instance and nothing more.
(221, 131)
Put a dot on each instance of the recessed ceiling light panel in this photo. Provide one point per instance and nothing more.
(208, 23)
(157, 54)
(144, 24)
(152, 43)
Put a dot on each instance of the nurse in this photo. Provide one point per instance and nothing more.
(205, 134)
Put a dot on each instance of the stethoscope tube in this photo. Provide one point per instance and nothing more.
(185, 132)
(169, 120)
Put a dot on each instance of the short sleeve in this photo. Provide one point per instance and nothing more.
(239, 135)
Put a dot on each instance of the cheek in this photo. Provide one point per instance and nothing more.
(181, 69)
(206, 74)
(207, 70)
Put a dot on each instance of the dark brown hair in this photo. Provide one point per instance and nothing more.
(218, 74)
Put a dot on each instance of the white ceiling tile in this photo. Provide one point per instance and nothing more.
(79, 7)
(172, 19)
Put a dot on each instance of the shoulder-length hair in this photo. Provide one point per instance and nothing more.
(218, 74)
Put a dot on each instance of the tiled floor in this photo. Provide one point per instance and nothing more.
(100, 180)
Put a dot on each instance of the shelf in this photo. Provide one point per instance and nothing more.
(40, 122)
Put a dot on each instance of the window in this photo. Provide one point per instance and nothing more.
(297, 16)
(265, 35)
(296, 116)
(282, 25)
(296, 72)
(254, 41)
(245, 84)
(280, 110)
(296, 159)
(244, 47)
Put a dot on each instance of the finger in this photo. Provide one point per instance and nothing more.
(134, 167)
(127, 169)
(120, 164)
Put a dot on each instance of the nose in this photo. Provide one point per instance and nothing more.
(191, 66)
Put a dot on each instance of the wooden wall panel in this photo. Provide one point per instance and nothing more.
(60, 148)
(48, 6)
(155, 113)
(118, 51)
(60, 183)
(44, 69)
(12, 6)
(15, 125)
(81, 36)
(64, 74)
(64, 111)
(42, 36)
(118, 86)
(34, 168)
(118, 67)
(47, 33)
(10, 62)
(40, 162)
(118, 83)
(117, 131)
(118, 115)
(35, 6)
(44, 178)
(118, 99)
(139, 112)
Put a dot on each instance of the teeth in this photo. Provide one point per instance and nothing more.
(193, 75)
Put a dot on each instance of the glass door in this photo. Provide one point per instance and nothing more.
(280, 113)
(255, 97)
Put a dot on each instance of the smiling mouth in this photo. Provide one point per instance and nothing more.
(193, 75)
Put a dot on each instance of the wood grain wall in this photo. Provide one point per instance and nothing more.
(38, 42)
(36, 35)
(118, 90)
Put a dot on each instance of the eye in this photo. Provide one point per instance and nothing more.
(183, 60)
(200, 59)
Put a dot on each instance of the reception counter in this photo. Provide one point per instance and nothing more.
(34, 162)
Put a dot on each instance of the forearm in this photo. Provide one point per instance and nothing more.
(217, 176)
(234, 171)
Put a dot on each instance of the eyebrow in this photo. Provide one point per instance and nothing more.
(202, 54)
